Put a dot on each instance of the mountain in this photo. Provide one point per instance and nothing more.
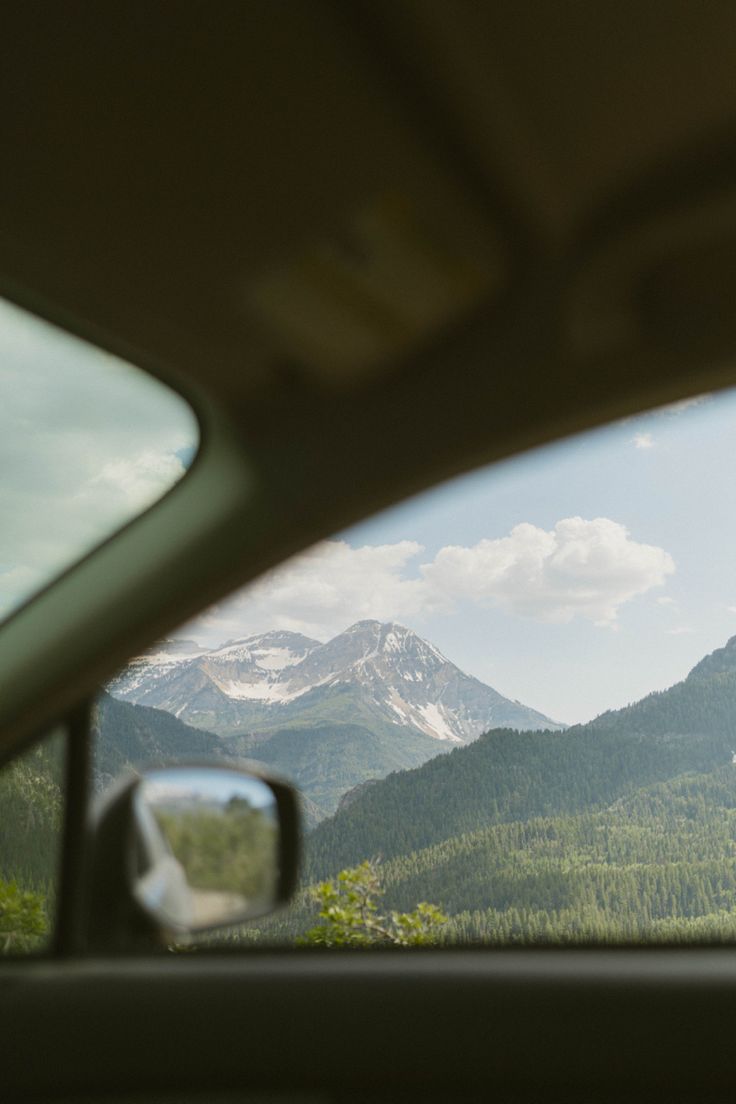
(126, 736)
(373, 700)
(326, 761)
(374, 674)
(322, 761)
(657, 864)
(129, 736)
(720, 662)
(616, 829)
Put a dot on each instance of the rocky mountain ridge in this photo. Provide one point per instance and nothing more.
(383, 671)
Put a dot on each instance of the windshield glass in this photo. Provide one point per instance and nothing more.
(87, 442)
(509, 703)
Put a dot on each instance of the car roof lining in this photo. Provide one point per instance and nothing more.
(159, 249)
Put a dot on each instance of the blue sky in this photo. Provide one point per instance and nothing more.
(668, 477)
(576, 578)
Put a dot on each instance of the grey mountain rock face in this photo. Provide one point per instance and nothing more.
(383, 673)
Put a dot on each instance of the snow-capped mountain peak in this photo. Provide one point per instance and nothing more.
(385, 669)
(272, 651)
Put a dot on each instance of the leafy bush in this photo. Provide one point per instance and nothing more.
(350, 917)
(22, 919)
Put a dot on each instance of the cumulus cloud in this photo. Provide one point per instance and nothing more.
(86, 443)
(643, 440)
(585, 568)
(578, 569)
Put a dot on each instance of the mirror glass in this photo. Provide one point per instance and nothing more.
(208, 846)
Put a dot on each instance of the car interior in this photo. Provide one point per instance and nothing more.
(373, 245)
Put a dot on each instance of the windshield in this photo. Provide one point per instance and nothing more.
(87, 442)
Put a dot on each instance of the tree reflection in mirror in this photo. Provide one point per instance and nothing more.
(209, 846)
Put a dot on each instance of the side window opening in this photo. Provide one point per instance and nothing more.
(509, 704)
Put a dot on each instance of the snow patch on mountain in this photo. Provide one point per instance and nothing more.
(437, 721)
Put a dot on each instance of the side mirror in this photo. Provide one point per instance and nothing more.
(181, 850)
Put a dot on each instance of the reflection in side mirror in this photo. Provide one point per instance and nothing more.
(182, 850)
(209, 847)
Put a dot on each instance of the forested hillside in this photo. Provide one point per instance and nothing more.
(30, 838)
(134, 735)
(659, 864)
(505, 776)
(622, 828)
(30, 815)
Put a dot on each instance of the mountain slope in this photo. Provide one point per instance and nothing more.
(283, 679)
(720, 662)
(655, 865)
(324, 761)
(506, 776)
(374, 699)
(132, 735)
(327, 761)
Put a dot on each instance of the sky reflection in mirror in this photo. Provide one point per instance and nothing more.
(195, 784)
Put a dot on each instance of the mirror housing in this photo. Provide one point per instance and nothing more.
(181, 850)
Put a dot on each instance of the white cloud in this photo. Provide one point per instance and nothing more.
(643, 440)
(323, 591)
(583, 568)
(666, 601)
(580, 568)
(681, 630)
